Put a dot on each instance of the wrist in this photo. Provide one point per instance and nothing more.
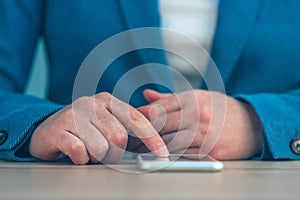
(256, 128)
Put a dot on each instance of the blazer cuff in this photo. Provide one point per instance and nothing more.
(19, 126)
(280, 124)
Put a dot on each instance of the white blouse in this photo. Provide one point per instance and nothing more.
(196, 19)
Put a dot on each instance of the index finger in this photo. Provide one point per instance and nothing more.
(163, 106)
(173, 102)
(162, 102)
(135, 121)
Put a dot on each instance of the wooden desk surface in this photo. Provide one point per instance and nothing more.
(238, 180)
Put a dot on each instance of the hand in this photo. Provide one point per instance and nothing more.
(93, 129)
(185, 119)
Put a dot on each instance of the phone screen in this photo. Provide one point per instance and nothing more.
(179, 162)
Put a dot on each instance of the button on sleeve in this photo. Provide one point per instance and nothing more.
(295, 146)
(3, 137)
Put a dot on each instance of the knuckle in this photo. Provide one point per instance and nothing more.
(197, 94)
(200, 94)
(136, 117)
(120, 140)
(65, 121)
(68, 113)
(203, 130)
(205, 115)
(138, 121)
(156, 110)
(50, 145)
(99, 150)
(106, 96)
(77, 148)
(82, 100)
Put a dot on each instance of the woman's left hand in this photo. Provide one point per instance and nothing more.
(185, 119)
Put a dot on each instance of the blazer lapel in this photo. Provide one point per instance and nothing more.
(138, 14)
(236, 19)
(145, 14)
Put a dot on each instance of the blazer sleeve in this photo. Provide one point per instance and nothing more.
(280, 118)
(20, 27)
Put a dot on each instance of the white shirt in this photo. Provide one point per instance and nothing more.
(197, 20)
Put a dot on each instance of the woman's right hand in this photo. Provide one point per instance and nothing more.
(93, 129)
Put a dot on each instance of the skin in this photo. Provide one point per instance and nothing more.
(184, 127)
(93, 129)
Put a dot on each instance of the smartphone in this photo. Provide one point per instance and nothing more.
(178, 162)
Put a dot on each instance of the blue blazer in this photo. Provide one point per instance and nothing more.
(255, 47)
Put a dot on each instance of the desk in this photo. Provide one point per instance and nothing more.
(239, 180)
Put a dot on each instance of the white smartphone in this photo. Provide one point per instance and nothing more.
(178, 162)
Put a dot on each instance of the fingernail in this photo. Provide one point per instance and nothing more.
(162, 150)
